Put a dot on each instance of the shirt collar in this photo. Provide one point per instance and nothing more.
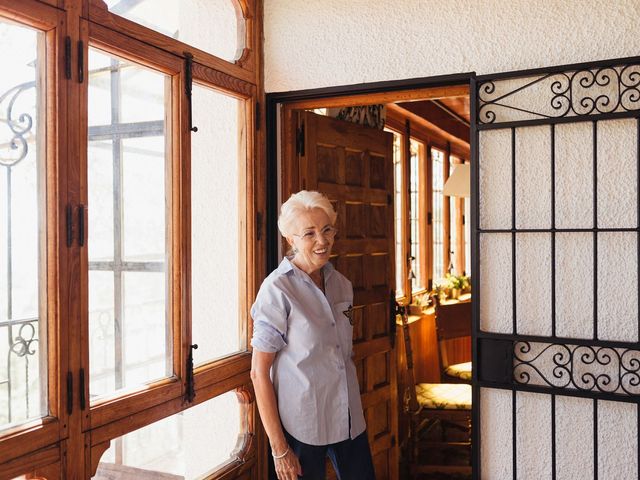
(286, 266)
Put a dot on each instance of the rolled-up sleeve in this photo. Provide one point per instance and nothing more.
(269, 321)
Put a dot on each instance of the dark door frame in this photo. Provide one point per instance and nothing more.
(274, 99)
(271, 180)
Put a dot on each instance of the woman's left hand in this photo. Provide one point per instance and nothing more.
(288, 467)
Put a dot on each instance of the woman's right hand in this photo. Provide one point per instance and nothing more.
(288, 467)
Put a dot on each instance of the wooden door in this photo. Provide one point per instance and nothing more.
(353, 166)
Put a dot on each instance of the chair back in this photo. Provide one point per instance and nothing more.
(410, 398)
(452, 321)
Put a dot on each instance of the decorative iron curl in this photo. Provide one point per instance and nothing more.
(19, 125)
(574, 93)
(21, 346)
(586, 368)
(561, 359)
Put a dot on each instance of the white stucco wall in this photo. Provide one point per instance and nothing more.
(318, 43)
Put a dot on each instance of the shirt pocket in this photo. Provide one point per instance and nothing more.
(343, 315)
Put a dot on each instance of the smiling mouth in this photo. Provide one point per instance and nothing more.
(322, 251)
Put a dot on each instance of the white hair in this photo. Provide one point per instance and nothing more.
(299, 202)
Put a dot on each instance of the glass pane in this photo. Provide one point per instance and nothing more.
(453, 225)
(397, 181)
(437, 227)
(215, 26)
(189, 445)
(417, 282)
(217, 161)
(23, 362)
(130, 335)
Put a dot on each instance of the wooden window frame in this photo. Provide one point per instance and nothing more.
(422, 132)
(84, 434)
(35, 434)
(402, 295)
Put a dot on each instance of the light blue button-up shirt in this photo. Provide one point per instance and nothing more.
(313, 374)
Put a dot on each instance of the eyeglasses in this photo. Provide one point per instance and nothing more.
(313, 235)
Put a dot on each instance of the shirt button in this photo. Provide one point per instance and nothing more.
(338, 347)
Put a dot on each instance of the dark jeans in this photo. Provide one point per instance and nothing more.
(351, 459)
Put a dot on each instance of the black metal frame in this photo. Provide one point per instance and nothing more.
(504, 363)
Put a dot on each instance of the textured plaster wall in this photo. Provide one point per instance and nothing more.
(317, 43)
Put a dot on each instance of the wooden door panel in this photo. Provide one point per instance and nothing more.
(377, 166)
(377, 270)
(378, 371)
(377, 220)
(377, 321)
(358, 315)
(353, 166)
(355, 220)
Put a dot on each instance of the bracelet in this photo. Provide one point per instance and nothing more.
(277, 457)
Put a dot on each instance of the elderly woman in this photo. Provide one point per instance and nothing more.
(304, 378)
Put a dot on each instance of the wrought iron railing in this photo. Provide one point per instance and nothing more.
(23, 343)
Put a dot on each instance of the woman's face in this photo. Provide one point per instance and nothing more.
(312, 239)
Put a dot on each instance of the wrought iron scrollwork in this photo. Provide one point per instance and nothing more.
(24, 342)
(589, 368)
(603, 90)
(19, 126)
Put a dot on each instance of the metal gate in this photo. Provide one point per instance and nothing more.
(555, 214)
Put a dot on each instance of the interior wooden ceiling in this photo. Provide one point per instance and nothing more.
(458, 105)
(450, 114)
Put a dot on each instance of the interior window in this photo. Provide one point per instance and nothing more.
(415, 216)
(437, 174)
(188, 445)
(23, 319)
(397, 177)
(129, 331)
(217, 164)
(215, 26)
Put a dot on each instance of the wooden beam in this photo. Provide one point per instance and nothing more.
(438, 117)
(383, 97)
(427, 131)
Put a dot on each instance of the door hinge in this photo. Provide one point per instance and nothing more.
(429, 218)
(300, 141)
(190, 392)
(258, 225)
(69, 215)
(394, 310)
(83, 400)
(188, 87)
(80, 61)
(69, 393)
(81, 229)
(67, 58)
(464, 220)
(258, 115)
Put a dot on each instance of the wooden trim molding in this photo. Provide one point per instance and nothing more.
(243, 68)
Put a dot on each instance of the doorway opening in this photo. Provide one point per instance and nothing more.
(416, 392)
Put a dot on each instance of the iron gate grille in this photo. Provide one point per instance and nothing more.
(594, 366)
